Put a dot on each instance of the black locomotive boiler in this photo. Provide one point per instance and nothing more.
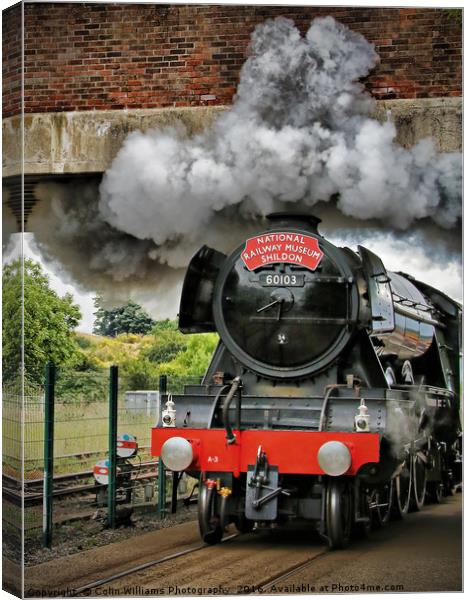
(333, 394)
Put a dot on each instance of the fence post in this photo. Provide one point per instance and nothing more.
(161, 481)
(49, 400)
(113, 391)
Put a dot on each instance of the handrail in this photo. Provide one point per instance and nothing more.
(230, 436)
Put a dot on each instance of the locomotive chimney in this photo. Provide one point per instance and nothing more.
(290, 219)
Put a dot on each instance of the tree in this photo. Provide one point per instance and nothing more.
(165, 325)
(194, 360)
(49, 321)
(167, 342)
(130, 318)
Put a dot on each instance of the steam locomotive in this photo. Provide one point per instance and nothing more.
(333, 394)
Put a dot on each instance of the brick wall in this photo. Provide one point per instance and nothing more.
(11, 60)
(83, 56)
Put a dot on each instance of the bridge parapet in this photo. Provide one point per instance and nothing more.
(78, 142)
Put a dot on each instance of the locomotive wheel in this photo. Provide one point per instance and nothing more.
(435, 492)
(243, 525)
(402, 491)
(380, 504)
(339, 513)
(362, 529)
(419, 487)
(448, 489)
(210, 527)
(448, 484)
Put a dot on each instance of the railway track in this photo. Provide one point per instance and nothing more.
(262, 587)
(64, 485)
(95, 584)
(265, 586)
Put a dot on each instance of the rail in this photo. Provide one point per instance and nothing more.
(95, 584)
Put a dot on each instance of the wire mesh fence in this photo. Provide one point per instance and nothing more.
(139, 411)
(12, 394)
(12, 461)
(81, 447)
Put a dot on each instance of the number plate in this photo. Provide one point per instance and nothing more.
(281, 279)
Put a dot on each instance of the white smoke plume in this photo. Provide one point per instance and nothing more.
(299, 135)
(76, 243)
(298, 132)
(401, 427)
(72, 239)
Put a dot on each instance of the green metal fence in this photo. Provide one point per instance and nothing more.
(12, 520)
(81, 427)
(12, 395)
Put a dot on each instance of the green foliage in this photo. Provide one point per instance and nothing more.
(104, 351)
(164, 349)
(83, 359)
(143, 358)
(139, 374)
(194, 360)
(167, 342)
(82, 387)
(83, 341)
(165, 325)
(49, 321)
(130, 318)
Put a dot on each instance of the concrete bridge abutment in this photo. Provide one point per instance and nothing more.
(82, 144)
